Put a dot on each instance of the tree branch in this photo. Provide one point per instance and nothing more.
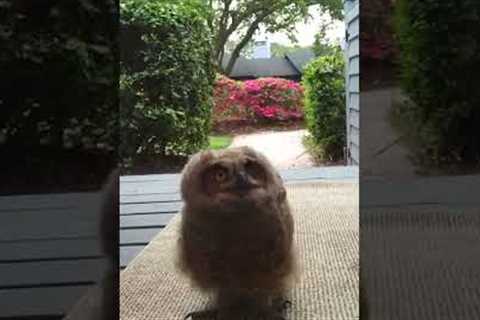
(246, 38)
(247, 15)
(225, 13)
(237, 19)
(222, 34)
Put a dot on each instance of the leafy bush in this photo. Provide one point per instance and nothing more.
(71, 109)
(166, 79)
(263, 99)
(439, 62)
(69, 118)
(324, 83)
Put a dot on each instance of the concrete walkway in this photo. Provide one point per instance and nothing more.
(284, 149)
(382, 155)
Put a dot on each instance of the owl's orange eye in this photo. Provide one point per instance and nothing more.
(220, 175)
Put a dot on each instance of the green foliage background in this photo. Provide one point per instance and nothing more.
(73, 43)
(324, 83)
(321, 46)
(58, 94)
(166, 79)
(439, 43)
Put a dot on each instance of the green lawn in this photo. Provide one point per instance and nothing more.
(219, 142)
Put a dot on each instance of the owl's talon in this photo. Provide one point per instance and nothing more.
(287, 304)
(202, 315)
(282, 304)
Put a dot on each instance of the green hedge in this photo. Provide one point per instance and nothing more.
(439, 72)
(73, 46)
(58, 92)
(166, 80)
(324, 84)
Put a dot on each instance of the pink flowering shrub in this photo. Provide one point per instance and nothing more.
(228, 100)
(274, 98)
(270, 99)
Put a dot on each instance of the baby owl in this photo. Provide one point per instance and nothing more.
(236, 233)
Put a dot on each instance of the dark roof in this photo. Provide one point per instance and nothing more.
(273, 67)
(290, 66)
(242, 68)
(300, 58)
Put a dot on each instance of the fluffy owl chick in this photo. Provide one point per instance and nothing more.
(236, 232)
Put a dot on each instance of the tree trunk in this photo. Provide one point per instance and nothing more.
(248, 36)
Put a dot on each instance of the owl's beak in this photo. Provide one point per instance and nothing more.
(242, 182)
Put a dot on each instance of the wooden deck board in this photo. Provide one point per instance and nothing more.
(145, 220)
(49, 201)
(150, 177)
(46, 273)
(127, 253)
(327, 173)
(155, 207)
(138, 188)
(138, 236)
(146, 198)
(49, 249)
(50, 253)
(38, 225)
(51, 302)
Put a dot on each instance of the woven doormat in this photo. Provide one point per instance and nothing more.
(421, 262)
(326, 235)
